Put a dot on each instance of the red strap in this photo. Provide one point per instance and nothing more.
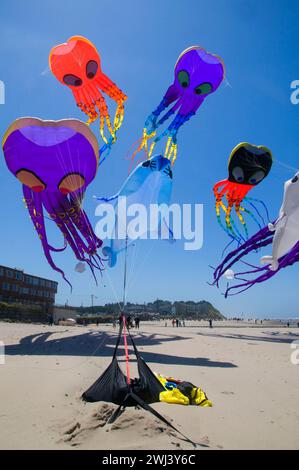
(126, 352)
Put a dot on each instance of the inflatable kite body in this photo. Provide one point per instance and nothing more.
(55, 161)
(197, 75)
(77, 64)
(286, 227)
(283, 234)
(150, 183)
(248, 165)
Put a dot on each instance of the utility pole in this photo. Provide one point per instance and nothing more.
(92, 297)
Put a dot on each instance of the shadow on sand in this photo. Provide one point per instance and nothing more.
(270, 337)
(101, 344)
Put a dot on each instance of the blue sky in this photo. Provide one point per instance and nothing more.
(139, 43)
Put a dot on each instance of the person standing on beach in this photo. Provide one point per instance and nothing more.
(173, 322)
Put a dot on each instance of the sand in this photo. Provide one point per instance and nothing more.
(244, 369)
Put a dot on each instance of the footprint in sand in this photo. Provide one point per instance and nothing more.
(78, 430)
(125, 422)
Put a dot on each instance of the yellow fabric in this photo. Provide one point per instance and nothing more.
(175, 396)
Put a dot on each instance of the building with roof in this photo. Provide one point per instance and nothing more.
(16, 286)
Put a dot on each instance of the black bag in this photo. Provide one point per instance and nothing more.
(112, 387)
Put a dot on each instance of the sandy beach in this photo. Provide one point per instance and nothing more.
(245, 370)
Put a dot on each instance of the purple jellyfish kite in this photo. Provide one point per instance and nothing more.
(56, 161)
(283, 234)
(197, 74)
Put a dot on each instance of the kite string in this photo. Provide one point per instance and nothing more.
(126, 350)
(285, 165)
(113, 290)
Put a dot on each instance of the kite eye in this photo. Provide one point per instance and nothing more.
(238, 174)
(256, 177)
(72, 80)
(91, 69)
(295, 179)
(71, 183)
(183, 78)
(28, 178)
(203, 89)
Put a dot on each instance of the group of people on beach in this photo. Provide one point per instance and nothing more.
(130, 322)
(176, 322)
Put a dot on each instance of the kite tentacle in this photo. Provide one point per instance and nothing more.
(260, 202)
(35, 208)
(286, 260)
(263, 238)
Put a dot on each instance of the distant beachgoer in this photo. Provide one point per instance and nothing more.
(173, 322)
(288, 324)
(184, 324)
(114, 324)
(165, 323)
(177, 322)
(211, 323)
(137, 322)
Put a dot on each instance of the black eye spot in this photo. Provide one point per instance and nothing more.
(295, 179)
(257, 177)
(91, 69)
(72, 80)
(238, 174)
(203, 89)
(183, 78)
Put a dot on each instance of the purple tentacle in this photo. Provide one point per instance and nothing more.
(284, 261)
(82, 222)
(35, 208)
(72, 221)
(220, 270)
(170, 112)
(262, 238)
(59, 215)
